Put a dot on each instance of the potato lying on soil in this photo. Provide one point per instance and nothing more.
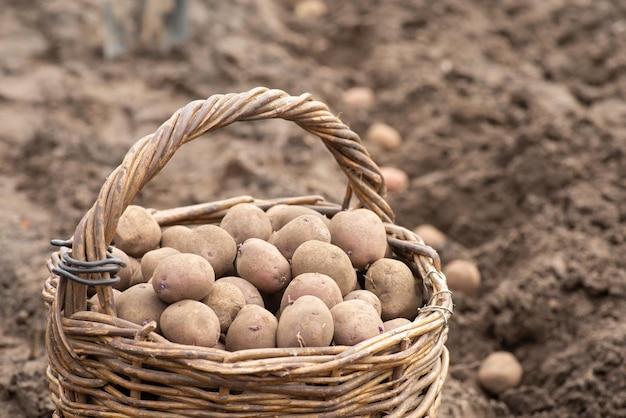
(315, 284)
(253, 327)
(246, 220)
(260, 263)
(140, 305)
(395, 323)
(399, 292)
(152, 258)
(367, 296)
(250, 292)
(190, 322)
(500, 371)
(183, 276)
(176, 236)
(303, 228)
(361, 234)
(216, 245)
(305, 323)
(323, 257)
(431, 236)
(281, 214)
(226, 300)
(137, 231)
(462, 276)
(355, 321)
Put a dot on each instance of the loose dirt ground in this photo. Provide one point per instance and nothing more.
(513, 120)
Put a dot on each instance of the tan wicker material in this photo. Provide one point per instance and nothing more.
(103, 366)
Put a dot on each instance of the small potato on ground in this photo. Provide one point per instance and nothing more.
(462, 276)
(500, 371)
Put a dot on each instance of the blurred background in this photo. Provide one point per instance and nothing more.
(502, 123)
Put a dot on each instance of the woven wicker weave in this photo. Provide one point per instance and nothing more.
(103, 366)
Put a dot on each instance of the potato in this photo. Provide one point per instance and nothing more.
(260, 263)
(140, 305)
(281, 214)
(214, 244)
(137, 231)
(301, 229)
(152, 258)
(323, 257)
(359, 98)
(125, 274)
(250, 292)
(361, 234)
(315, 284)
(305, 323)
(226, 300)
(383, 135)
(396, 179)
(367, 296)
(253, 327)
(190, 322)
(176, 236)
(246, 220)
(183, 276)
(355, 321)
(136, 276)
(500, 371)
(399, 292)
(431, 236)
(93, 303)
(462, 276)
(395, 323)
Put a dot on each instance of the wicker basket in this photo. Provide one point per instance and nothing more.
(103, 366)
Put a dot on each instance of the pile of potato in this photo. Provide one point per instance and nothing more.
(288, 277)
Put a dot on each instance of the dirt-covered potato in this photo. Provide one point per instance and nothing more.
(305, 323)
(137, 231)
(250, 292)
(323, 257)
(176, 236)
(260, 263)
(367, 296)
(190, 322)
(152, 258)
(253, 327)
(281, 214)
(355, 320)
(183, 276)
(246, 220)
(361, 234)
(399, 292)
(140, 305)
(395, 323)
(226, 300)
(126, 273)
(301, 229)
(315, 284)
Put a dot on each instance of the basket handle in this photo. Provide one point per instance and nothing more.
(149, 155)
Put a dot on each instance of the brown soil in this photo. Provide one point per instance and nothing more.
(513, 119)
